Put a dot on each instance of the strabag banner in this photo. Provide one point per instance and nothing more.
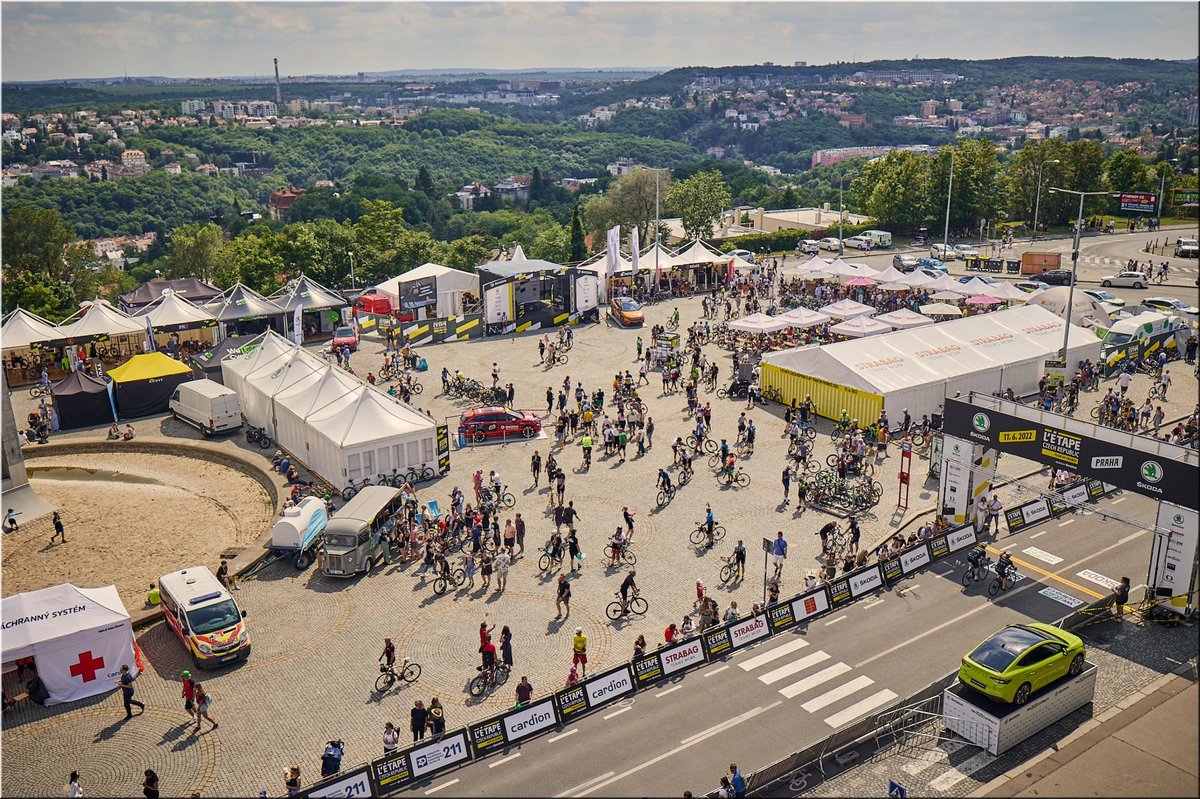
(1148, 474)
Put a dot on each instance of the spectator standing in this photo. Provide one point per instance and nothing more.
(563, 596)
(503, 561)
(737, 781)
(579, 650)
(391, 738)
(126, 684)
(73, 789)
(437, 719)
(993, 514)
(291, 782)
(1121, 596)
(150, 786)
(779, 554)
(524, 691)
(418, 718)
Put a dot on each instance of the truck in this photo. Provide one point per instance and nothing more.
(1034, 263)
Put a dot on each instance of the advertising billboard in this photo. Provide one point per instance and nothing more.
(1143, 201)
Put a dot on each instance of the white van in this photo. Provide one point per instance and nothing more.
(204, 616)
(1141, 328)
(879, 238)
(943, 252)
(208, 405)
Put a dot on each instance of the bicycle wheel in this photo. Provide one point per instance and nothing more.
(918, 440)
(967, 579)
(384, 681)
(994, 588)
(638, 605)
(718, 533)
(726, 573)
(721, 393)
(809, 432)
(714, 461)
(629, 557)
(710, 446)
(684, 477)
(439, 586)
(501, 675)
(417, 388)
(742, 480)
(698, 536)
(412, 672)
(507, 500)
(1096, 412)
(459, 576)
(663, 498)
(562, 359)
(348, 492)
(613, 611)
(477, 686)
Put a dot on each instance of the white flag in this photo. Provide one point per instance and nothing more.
(298, 325)
(634, 246)
(614, 250)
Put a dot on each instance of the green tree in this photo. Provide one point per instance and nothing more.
(1126, 171)
(466, 253)
(699, 202)
(552, 244)
(894, 191)
(629, 203)
(424, 183)
(578, 242)
(198, 251)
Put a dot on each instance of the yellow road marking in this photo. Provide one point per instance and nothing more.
(1051, 575)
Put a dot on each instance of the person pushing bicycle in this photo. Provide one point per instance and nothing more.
(617, 545)
(388, 657)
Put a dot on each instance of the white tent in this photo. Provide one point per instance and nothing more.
(803, 317)
(699, 254)
(946, 283)
(903, 319)
(846, 309)
(808, 267)
(860, 327)
(941, 309)
(889, 275)
(100, 319)
(172, 309)
(839, 268)
(976, 286)
(917, 280)
(448, 283)
(917, 369)
(78, 638)
(518, 254)
(862, 270)
(329, 420)
(759, 323)
(22, 328)
(665, 259)
(1085, 310)
(1007, 291)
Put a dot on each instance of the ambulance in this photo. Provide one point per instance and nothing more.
(205, 616)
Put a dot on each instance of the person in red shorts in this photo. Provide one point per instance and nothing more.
(579, 645)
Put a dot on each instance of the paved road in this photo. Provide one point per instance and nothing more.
(797, 687)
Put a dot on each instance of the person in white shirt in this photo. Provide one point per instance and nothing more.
(1124, 380)
(993, 513)
(391, 738)
(981, 513)
(73, 789)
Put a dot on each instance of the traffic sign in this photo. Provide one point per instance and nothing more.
(896, 790)
(768, 545)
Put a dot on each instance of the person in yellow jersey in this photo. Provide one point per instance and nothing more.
(586, 443)
(153, 597)
(579, 645)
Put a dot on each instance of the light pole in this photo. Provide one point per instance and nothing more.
(353, 283)
(1038, 197)
(1083, 195)
(949, 191)
(841, 215)
(1162, 185)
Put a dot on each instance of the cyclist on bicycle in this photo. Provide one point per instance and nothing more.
(1003, 568)
(617, 545)
(664, 480)
(628, 585)
(388, 657)
(488, 651)
(675, 316)
(709, 524)
(685, 470)
(976, 558)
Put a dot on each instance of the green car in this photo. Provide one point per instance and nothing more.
(1021, 659)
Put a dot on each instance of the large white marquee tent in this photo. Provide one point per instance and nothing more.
(450, 285)
(332, 422)
(918, 368)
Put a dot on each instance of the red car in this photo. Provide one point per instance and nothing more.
(346, 336)
(496, 421)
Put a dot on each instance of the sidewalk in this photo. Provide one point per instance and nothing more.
(1144, 746)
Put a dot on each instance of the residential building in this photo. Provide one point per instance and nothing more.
(280, 202)
(469, 195)
(172, 168)
(929, 108)
(516, 188)
(134, 161)
(622, 166)
(207, 169)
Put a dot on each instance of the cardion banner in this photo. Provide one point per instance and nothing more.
(1146, 473)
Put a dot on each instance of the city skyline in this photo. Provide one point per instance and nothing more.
(211, 40)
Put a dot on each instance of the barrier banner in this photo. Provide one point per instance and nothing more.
(595, 692)
(810, 604)
(486, 736)
(747, 631)
(355, 782)
(1158, 475)
(438, 756)
(892, 570)
(391, 771)
(1026, 515)
(1038, 510)
(647, 669)
(716, 642)
(781, 616)
(443, 448)
(961, 538)
(938, 547)
(864, 580)
(681, 656)
(839, 591)
(520, 724)
(914, 558)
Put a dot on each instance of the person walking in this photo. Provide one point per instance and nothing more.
(203, 701)
(59, 530)
(189, 695)
(574, 551)
(649, 432)
(786, 479)
(150, 785)
(779, 554)
(126, 684)
(535, 466)
(73, 789)
(563, 596)
(418, 719)
(10, 521)
(519, 524)
(503, 562)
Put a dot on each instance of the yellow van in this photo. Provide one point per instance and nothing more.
(205, 617)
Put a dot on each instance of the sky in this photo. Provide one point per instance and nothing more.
(43, 40)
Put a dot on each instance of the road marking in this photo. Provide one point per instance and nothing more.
(563, 735)
(795, 666)
(1068, 521)
(583, 785)
(949, 779)
(873, 604)
(861, 708)
(439, 787)
(1035, 535)
(504, 760)
(1131, 536)
(1059, 596)
(708, 674)
(1052, 575)
(1118, 501)
(841, 692)
(618, 712)
(1042, 555)
(669, 690)
(1098, 578)
(773, 654)
(835, 621)
(918, 766)
(695, 739)
(977, 609)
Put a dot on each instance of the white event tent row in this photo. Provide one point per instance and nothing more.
(918, 368)
(450, 284)
(331, 421)
(759, 323)
(860, 327)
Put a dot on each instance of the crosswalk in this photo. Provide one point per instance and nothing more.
(1119, 263)
(816, 671)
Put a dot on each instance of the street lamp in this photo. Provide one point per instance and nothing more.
(1038, 201)
(1162, 184)
(949, 190)
(353, 283)
(1083, 195)
(841, 215)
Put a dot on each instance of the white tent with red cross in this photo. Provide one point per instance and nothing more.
(78, 638)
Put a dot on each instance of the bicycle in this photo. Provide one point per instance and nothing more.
(969, 575)
(502, 498)
(548, 560)
(700, 534)
(625, 556)
(349, 491)
(494, 677)
(706, 444)
(729, 569)
(457, 578)
(738, 478)
(994, 587)
(389, 676)
(772, 394)
(258, 435)
(40, 390)
(559, 359)
(419, 474)
(636, 606)
(665, 495)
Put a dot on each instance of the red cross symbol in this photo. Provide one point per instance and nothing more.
(87, 666)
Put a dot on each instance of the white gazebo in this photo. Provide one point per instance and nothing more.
(941, 309)
(860, 327)
(699, 254)
(847, 309)
(889, 275)
(916, 280)
(759, 323)
(801, 318)
(904, 318)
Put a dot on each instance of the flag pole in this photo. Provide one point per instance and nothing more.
(657, 223)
